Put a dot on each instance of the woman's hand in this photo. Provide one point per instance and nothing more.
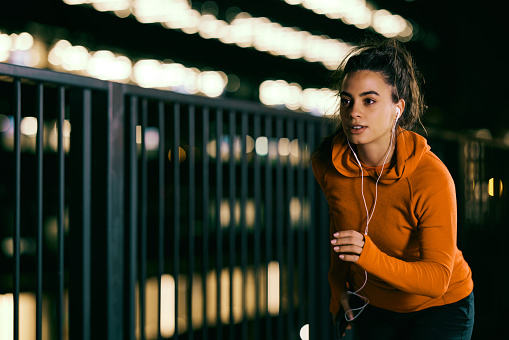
(340, 318)
(349, 244)
(345, 303)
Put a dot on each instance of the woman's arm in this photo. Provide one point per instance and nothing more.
(428, 275)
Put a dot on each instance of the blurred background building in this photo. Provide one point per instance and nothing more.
(276, 54)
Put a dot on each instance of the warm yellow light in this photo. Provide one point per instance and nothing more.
(6, 317)
(29, 126)
(249, 213)
(304, 332)
(283, 147)
(293, 99)
(210, 27)
(74, 58)
(211, 83)
(26, 316)
(138, 134)
(4, 55)
(24, 41)
(147, 73)
(111, 5)
(294, 148)
(173, 75)
(53, 138)
(182, 155)
(189, 22)
(106, 66)
(76, 2)
(225, 213)
(274, 92)
(490, 187)
(5, 42)
(167, 305)
(250, 144)
(295, 210)
(262, 146)
(242, 30)
(273, 287)
(191, 80)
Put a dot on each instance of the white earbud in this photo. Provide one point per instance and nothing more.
(398, 112)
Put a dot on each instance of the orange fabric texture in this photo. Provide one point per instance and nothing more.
(410, 254)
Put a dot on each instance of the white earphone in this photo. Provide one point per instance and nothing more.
(368, 216)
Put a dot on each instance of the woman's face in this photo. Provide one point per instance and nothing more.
(367, 111)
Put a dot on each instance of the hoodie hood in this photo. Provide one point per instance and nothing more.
(410, 147)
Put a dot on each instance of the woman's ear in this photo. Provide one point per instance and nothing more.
(400, 107)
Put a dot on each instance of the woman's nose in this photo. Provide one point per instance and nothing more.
(355, 111)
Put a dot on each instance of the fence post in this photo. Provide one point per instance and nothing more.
(106, 232)
(80, 208)
(115, 211)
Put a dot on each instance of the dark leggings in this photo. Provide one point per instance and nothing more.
(453, 321)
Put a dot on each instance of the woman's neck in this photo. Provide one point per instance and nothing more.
(373, 155)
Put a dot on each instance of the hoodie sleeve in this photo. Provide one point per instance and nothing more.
(435, 208)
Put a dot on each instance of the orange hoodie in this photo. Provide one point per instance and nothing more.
(410, 253)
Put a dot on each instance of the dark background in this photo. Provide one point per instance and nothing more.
(459, 49)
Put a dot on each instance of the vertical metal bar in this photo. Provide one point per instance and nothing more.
(257, 227)
(161, 201)
(143, 220)
(311, 232)
(219, 231)
(205, 218)
(243, 194)
(61, 208)
(268, 225)
(176, 206)
(39, 155)
(133, 219)
(231, 186)
(86, 214)
(324, 253)
(290, 236)
(79, 254)
(17, 204)
(324, 258)
(115, 211)
(302, 253)
(280, 230)
(192, 212)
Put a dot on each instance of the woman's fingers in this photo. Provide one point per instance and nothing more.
(349, 257)
(349, 244)
(349, 249)
(348, 238)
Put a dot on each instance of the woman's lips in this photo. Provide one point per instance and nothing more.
(356, 129)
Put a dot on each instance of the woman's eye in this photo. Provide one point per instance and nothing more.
(369, 101)
(345, 101)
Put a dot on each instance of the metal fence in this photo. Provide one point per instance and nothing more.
(161, 215)
(165, 215)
